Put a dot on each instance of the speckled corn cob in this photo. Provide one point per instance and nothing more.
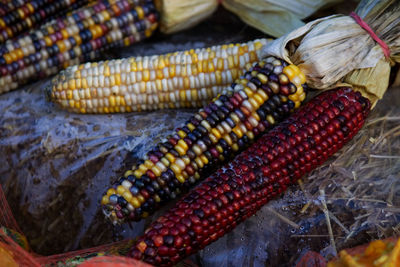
(262, 97)
(26, 16)
(80, 36)
(182, 79)
(238, 190)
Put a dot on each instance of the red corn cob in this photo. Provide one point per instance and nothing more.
(238, 190)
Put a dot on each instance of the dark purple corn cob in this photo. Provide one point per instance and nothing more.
(237, 191)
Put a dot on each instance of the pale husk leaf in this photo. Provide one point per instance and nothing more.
(272, 17)
(177, 15)
(275, 17)
(327, 50)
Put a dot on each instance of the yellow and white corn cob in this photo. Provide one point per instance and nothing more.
(182, 79)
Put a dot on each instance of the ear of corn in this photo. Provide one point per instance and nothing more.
(278, 159)
(265, 94)
(78, 37)
(182, 79)
(16, 18)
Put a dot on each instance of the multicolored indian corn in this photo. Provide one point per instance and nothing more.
(17, 17)
(263, 96)
(78, 37)
(182, 79)
(238, 190)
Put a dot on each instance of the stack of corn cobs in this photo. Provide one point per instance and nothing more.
(262, 94)
(262, 97)
(67, 39)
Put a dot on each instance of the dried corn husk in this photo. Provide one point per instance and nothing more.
(272, 17)
(336, 50)
(275, 17)
(176, 15)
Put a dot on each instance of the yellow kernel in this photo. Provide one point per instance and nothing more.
(182, 95)
(204, 66)
(120, 190)
(180, 150)
(258, 45)
(148, 163)
(257, 97)
(146, 75)
(231, 63)
(137, 173)
(191, 126)
(216, 133)
(294, 97)
(228, 139)
(156, 170)
(206, 125)
(161, 63)
(196, 149)
(139, 12)
(111, 191)
(253, 56)
(270, 119)
(142, 168)
(183, 144)
(175, 168)
(69, 94)
(181, 134)
(302, 96)
(237, 131)
(250, 134)
(157, 198)
(111, 99)
(141, 198)
(172, 71)
(159, 74)
(253, 102)
(180, 178)
(127, 195)
(199, 163)
(289, 72)
(135, 202)
(218, 77)
(263, 79)
(133, 66)
(248, 91)
(186, 160)
(165, 161)
(297, 104)
(170, 157)
(214, 140)
(204, 159)
(128, 172)
(117, 79)
(211, 67)
(71, 84)
(104, 200)
(235, 147)
(186, 82)
(194, 70)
